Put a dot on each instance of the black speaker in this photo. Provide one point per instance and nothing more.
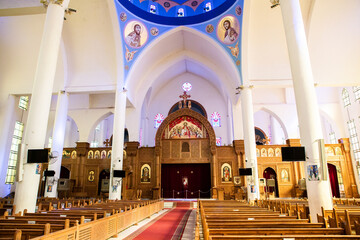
(38, 156)
(291, 154)
(49, 173)
(119, 173)
(245, 171)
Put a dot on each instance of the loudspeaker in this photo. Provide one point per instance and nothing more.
(119, 173)
(49, 173)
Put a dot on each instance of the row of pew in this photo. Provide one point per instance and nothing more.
(239, 220)
(26, 225)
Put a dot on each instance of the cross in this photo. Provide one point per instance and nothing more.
(184, 97)
(107, 143)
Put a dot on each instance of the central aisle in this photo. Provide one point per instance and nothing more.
(169, 226)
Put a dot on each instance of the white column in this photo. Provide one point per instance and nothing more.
(249, 142)
(319, 192)
(117, 144)
(7, 114)
(35, 129)
(57, 145)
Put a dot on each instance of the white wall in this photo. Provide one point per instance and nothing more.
(202, 91)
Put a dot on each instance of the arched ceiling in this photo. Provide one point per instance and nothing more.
(182, 50)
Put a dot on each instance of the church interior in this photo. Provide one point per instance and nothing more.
(151, 100)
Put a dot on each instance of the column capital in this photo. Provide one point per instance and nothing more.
(58, 2)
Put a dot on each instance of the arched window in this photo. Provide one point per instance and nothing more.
(152, 9)
(218, 141)
(158, 120)
(180, 12)
(215, 119)
(207, 7)
(345, 97)
(356, 90)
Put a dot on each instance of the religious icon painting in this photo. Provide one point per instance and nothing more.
(313, 173)
(135, 34)
(97, 154)
(277, 152)
(329, 151)
(129, 55)
(209, 28)
(270, 152)
(49, 188)
(257, 152)
(103, 154)
(145, 173)
(73, 154)
(109, 154)
(226, 175)
(237, 180)
(228, 29)
(123, 17)
(154, 31)
(338, 151)
(90, 154)
(235, 50)
(263, 152)
(238, 10)
(285, 175)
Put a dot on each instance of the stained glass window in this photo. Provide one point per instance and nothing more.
(16, 140)
(24, 102)
(218, 141)
(215, 119)
(186, 86)
(153, 9)
(356, 92)
(180, 12)
(158, 120)
(207, 6)
(345, 97)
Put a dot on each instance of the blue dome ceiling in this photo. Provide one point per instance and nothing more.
(177, 12)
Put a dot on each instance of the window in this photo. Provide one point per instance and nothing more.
(24, 102)
(94, 144)
(332, 138)
(345, 97)
(207, 7)
(180, 12)
(354, 141)
(215, 119)
(159, 118)
(153, 9)
(16, 140)
(187, 86)
(218, 141)
(356, 90)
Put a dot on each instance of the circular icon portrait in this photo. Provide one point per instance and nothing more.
(123, 17)
(238, 10)
(154, 31)
(135, 34)
(228, 29)
(209, 28)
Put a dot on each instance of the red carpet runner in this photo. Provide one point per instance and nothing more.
(169, 226)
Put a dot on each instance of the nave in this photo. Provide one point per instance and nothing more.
(163, 219)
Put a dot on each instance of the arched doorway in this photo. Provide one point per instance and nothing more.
(64, 173)
(104, 181)
(334, 183)
(271, 182)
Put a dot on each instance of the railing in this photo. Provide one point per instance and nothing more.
(186, 193)
(107, 227)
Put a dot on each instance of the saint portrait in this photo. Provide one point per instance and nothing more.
(135, 34)
(109, 154)
(103, 154)
(270, 152)
(90, 154)
(73, 154)
(145, 173)
(97, 154)
(226, 173)
(228, 29)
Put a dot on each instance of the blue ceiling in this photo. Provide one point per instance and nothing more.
(166, 12)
